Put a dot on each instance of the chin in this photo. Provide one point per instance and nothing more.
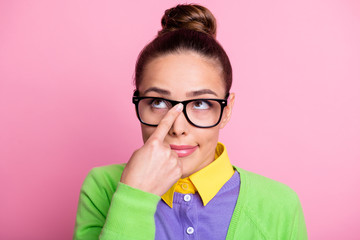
(188, 169)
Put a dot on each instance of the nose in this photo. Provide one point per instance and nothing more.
(180, 126)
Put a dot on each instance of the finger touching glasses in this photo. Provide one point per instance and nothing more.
(165, 124)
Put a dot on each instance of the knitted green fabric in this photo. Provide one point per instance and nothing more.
(266, 209)
(129, 216)
(110, 210)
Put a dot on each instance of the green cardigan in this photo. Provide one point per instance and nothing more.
(107, 209)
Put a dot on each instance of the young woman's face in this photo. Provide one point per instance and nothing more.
(180, 77)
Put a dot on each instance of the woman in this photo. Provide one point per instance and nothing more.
(180, 184)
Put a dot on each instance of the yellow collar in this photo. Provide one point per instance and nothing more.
(207, 181)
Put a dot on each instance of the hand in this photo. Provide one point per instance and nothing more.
(154, 168)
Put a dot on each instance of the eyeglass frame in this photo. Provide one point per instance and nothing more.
(223, 103)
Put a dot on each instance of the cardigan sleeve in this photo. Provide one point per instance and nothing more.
(108, 209)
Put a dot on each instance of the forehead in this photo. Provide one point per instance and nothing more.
(184, 72)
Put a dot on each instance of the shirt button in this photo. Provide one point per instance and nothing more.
(190, 230)
(185, 186)
(187, 198)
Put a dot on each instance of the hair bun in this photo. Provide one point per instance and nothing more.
(188, 16)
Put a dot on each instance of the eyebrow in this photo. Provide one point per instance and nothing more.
(200, 92)
(189, 94)
(158, 90)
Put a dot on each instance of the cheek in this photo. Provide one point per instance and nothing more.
(146, 132)
(209, 136)
(223, 121)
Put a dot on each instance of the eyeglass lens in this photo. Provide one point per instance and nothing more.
(200, 112)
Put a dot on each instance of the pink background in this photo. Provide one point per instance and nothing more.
(66, 70)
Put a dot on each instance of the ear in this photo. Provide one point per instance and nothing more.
(227, 110)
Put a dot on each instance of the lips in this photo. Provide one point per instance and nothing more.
(183, 150)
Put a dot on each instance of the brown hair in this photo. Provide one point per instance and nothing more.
(186, 27)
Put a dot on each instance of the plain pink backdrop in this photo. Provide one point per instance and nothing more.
(66, 70)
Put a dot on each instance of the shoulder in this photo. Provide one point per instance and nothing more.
(108, 171)
(103, 178)
(266, 190)
(273, 208)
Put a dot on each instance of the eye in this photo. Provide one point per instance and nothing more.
(201, 105)
(159, 103)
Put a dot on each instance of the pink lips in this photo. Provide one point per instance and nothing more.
(183, 150)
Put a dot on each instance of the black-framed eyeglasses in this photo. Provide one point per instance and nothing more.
(200, 112)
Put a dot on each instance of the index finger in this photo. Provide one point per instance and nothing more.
(165, 124)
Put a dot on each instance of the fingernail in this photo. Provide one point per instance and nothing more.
(179, 107)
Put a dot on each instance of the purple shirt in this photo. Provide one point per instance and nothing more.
(190, 219)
